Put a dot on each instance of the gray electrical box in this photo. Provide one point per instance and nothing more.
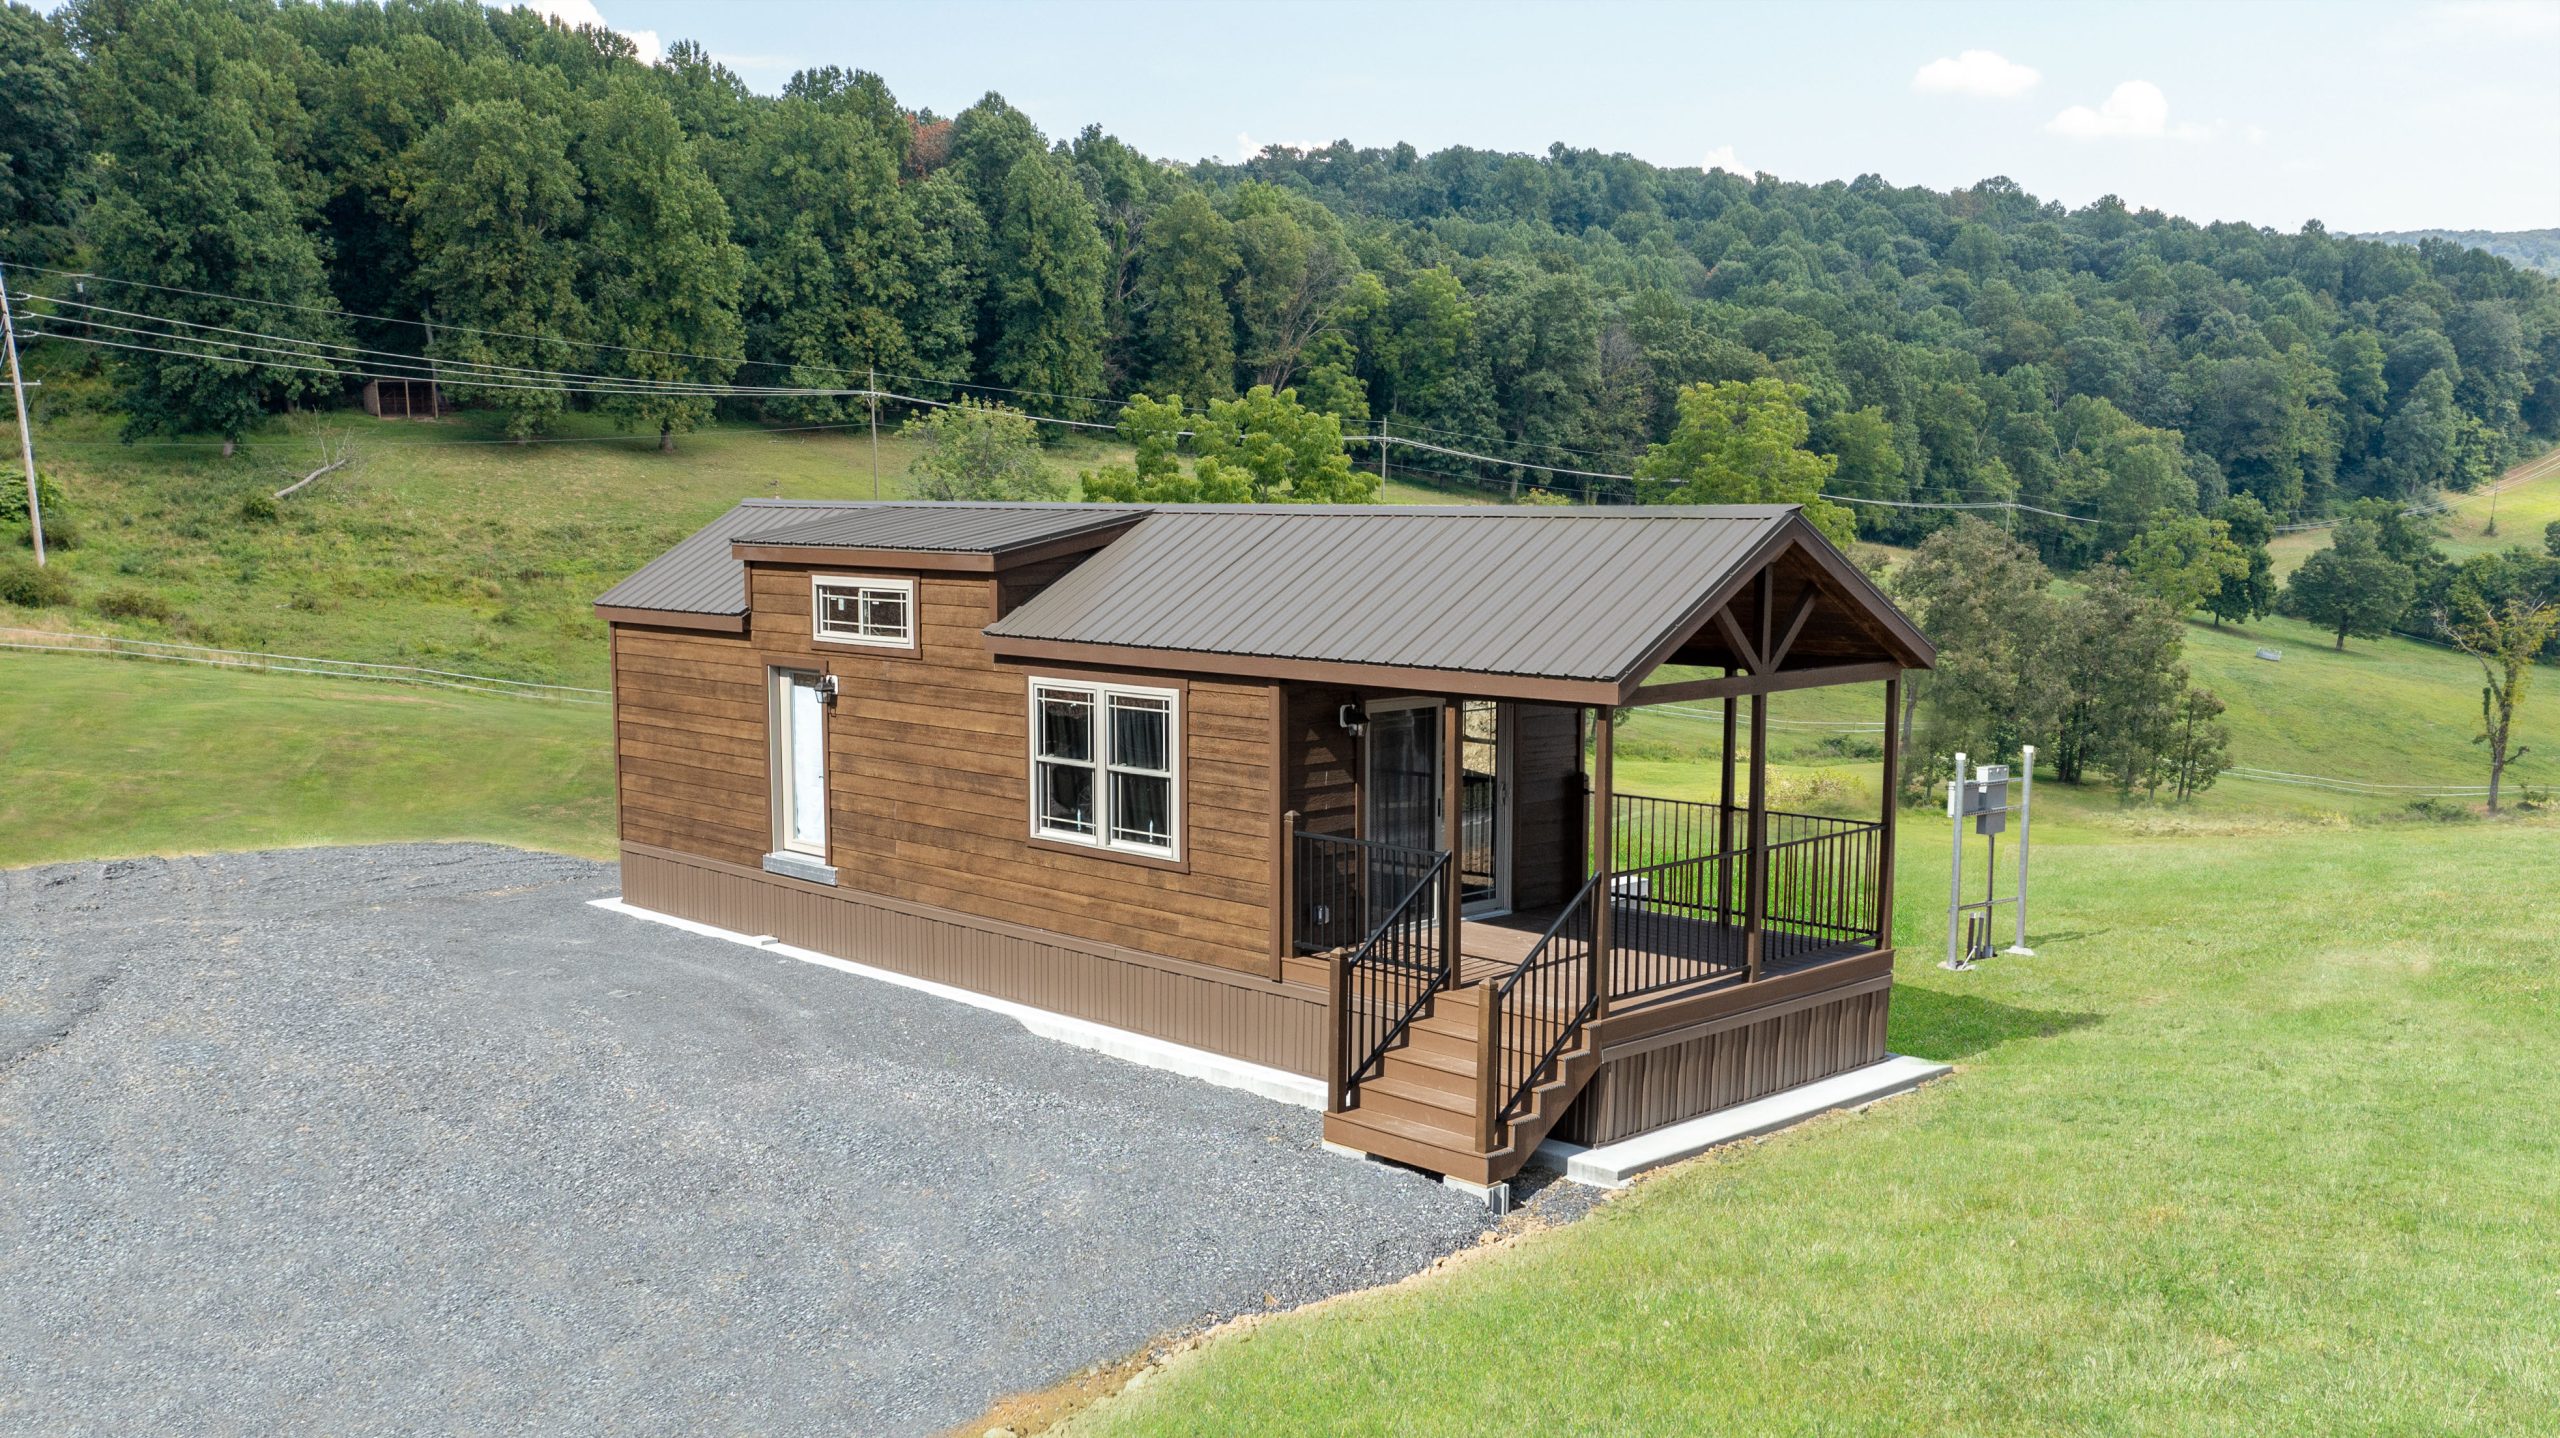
(1986, 799)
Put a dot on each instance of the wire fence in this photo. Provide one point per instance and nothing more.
(119, 647)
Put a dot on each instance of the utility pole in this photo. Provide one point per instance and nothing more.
(872, 398)
(1382, 456)
(26, 433)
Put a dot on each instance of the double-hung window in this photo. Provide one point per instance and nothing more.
(1103, 766)
(880, 613)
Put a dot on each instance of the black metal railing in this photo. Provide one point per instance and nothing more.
(1540, 1008)
(1680, 898)
(1375, 909)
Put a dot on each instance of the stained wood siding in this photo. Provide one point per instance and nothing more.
(1323, 760)
(929, 785)
(691, 771)
(1666, 1083)
(1546, 797)
(1205, 1006)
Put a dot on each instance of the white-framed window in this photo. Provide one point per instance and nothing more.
(855, 609)
(799, 764)
(1104, 766)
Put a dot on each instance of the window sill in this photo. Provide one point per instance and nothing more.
(800, 866)
(1117, 856)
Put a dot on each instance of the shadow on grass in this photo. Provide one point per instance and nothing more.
(1933, 1024)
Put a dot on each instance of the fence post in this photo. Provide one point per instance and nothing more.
(1454, 832)
(1287, 898)
(1337, 1024)
(1892, 803)
(1489, 1091)
(1604, 844)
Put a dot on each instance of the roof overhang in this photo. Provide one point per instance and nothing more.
(672, 619)
(1306, 671)
(943, 561)
(1896, 645)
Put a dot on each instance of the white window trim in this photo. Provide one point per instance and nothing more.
(1100, 695)
(817, 609)
(778, 698)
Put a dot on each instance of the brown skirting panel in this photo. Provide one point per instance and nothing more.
(1240, 1015)
(1649, 1085)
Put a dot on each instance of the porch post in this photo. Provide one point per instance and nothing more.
(1604, 850)
(1755, 898)
(1453, 831)
(1892, 804)
(1724, 819)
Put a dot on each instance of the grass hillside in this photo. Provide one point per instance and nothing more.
(2524, 501)
(442, 545)
(448, 547)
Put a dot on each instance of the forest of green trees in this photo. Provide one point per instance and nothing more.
(514, 195)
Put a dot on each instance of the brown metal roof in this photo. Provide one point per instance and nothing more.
(1567, 594)
(702, 576)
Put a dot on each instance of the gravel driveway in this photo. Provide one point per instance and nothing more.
(412, 1139)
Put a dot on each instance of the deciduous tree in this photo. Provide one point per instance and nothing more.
(2351, 587)
(1743, 442)
(977, 451)
(2501, 614)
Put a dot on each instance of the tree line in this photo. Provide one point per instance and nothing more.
(506, 193)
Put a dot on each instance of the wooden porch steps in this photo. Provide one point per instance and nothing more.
(1422, 1107)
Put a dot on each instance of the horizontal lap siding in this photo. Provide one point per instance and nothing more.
(1651, 1089)
(929, 779)
(689, 744)
(1278, 1024)
(1546, 790)
(1323, 760)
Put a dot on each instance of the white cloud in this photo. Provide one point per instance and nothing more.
(1984, 74)
(574, 13)
(2504, 19)
(2135, 111)
(1721, 158)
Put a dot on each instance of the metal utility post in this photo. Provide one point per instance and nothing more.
(1955, 865)
(1382, 454)
(872, 398)
(2026, 818)
(26, 432)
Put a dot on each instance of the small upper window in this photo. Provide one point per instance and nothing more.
(877, 612)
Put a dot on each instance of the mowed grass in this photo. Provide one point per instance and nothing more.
(2382, 711)
(442, 545)
(2523, 503)
(103, 758)
(2257, 1144)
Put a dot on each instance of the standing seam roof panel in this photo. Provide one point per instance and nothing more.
(1568, 595)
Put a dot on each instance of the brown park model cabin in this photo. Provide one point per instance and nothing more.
(1324, 789)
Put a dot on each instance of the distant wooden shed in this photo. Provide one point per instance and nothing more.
(404, 399)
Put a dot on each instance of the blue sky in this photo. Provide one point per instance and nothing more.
(2367, 116)
(2432, 113)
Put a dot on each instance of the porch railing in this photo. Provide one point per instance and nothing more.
(1539, 1009)
(1681, 893)
(1377, 908)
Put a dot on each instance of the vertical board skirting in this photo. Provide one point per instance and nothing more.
(1260, 1021)
(1644, 1091)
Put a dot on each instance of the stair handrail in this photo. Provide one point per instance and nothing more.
(1435, 978)
(1523, 1024)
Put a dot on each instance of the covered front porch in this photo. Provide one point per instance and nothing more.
(1486, 907)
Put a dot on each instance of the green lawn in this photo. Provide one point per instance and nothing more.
(2526, 500)
(2259, 1144)
(442, 545)
(101, 758)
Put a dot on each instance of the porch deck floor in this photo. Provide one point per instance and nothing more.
(1650, 949)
